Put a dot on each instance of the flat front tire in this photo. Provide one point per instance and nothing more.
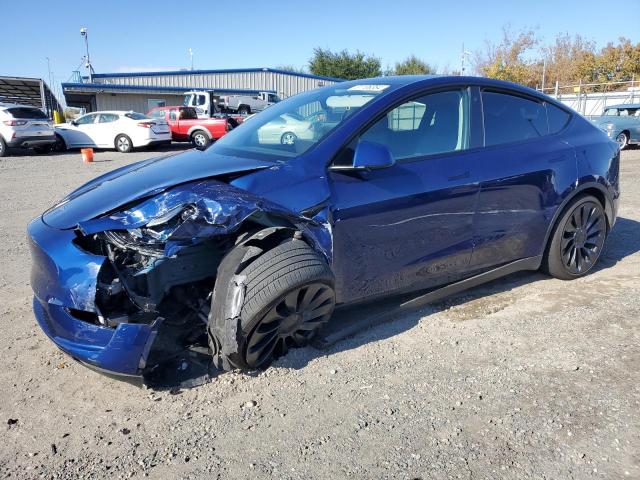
(577, 240)
(288, 294)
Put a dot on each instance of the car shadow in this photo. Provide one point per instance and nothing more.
(358, 325)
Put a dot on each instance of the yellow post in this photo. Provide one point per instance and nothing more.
(57, 117)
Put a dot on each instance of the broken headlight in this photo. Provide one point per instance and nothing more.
(151, 238)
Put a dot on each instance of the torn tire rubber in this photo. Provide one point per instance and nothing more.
(264, 303)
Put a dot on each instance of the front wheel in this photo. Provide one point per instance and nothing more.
(622, 140)
(60, 145)
(288, 294)
(123, 144)
(578, 240)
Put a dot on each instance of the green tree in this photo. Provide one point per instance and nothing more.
(413, 66)
(345, 65)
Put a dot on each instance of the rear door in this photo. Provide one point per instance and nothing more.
(104, 132)
(524, 161)
(409, 226)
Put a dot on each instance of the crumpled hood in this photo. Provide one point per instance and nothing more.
(142, 180)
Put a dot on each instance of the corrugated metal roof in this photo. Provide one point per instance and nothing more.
(230, 70)
(97, 87)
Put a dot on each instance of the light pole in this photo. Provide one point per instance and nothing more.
(84, 32)
(191, 56)
(463, 57)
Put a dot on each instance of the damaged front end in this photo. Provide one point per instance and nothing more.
(146, 298)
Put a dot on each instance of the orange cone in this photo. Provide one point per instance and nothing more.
(87, 155)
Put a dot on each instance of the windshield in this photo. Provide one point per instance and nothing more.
(292, 126)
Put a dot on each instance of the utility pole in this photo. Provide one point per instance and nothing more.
(544, 72)
(191, 56)
(85, 33)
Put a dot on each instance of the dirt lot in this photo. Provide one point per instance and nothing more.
(528, 377)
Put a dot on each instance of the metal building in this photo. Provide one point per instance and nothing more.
(141, 91)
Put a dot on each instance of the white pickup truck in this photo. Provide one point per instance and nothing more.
(210, 102)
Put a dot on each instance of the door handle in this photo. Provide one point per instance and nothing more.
(459, 177)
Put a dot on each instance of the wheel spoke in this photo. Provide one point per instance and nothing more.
(309, 294)
(291, 301)
(320, 299)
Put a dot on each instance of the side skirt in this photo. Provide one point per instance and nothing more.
(348, 321)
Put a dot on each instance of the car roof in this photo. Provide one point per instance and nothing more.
(623, 105)
(16, 105)
(442, 80)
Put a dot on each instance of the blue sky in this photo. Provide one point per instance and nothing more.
(156, 35)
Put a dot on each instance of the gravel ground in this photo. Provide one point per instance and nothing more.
(527, 377)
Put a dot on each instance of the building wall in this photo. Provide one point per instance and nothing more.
(285, 84)
(136, 102)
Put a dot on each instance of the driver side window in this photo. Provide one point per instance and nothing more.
(87, 119)
(427, 125)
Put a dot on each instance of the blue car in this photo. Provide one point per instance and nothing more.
(386, 186)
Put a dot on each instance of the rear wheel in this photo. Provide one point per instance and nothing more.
(622, 140)
(288, 296)
(288, 138)
(3, 147)
(578, 240)
(123, 144)
(244, 110)
(200, 139)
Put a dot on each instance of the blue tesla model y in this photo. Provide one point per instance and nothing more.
(339, 195)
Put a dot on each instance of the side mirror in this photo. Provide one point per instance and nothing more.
(74, 123)
(371, 155)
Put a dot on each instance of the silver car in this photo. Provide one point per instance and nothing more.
(24, 126)
(286, 130)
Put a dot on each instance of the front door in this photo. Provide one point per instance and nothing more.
(408, 226)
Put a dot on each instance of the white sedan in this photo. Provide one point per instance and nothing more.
(286, 130)
(123, 131)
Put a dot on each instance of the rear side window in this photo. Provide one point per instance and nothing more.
(27, 113)
(508, 118)
(188, 114)
(135, 116)
(157, 114)
(108, 118)
(556, 117)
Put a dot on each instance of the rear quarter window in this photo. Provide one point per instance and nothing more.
(556, 117)
(135, 116)
(27, 113)
(509, 118)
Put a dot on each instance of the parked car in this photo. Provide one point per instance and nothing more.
(187, 127)
(432, 184)
(286, 129)
(208, 103)
(621, 123)
(23, 126)
(121, 130)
